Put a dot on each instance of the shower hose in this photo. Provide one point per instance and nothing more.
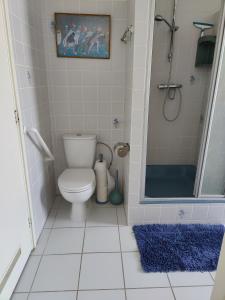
(171, 95)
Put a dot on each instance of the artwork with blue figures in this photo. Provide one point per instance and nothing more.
(83, 36)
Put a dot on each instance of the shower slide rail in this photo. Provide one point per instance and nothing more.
(41, 141)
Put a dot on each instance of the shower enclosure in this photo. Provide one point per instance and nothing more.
(186, 115)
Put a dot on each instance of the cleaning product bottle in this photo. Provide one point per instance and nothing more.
(116, 197)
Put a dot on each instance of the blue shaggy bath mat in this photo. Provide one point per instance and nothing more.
(170, 248)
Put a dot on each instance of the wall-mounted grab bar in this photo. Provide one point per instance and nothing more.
(44, 146)
(164, 86)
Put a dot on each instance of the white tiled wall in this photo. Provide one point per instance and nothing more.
(178, 142)
(29, 55)
(173, 214)
(86, 95)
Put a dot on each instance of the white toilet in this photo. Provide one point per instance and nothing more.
(77, 183)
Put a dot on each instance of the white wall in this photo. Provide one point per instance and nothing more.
(86, 94)
(178, 142)
(25, 16)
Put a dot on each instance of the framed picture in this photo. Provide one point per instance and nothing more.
(83, 35)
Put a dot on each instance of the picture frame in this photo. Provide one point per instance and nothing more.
(83, 35)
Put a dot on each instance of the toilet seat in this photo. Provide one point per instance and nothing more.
(76, 180)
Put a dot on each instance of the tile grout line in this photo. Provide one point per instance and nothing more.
(90, 252)
(42, 255)
(81, 258)
(191, 286)
(121, 255)
(171, 288)
(110, 289)
(107, 226)
(117, 289)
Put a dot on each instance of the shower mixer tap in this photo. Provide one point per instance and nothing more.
(163, 86)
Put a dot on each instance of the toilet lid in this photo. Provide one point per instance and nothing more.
(76, 180)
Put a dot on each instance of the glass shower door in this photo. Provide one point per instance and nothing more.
(212, 173)
(213, 183)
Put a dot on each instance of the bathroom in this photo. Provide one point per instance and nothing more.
(117, 100)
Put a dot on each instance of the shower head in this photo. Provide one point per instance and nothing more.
(160, 18)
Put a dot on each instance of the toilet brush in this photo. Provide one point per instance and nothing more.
(116, 197)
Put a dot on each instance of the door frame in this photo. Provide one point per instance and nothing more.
(151, 22)
(207, 124)
(17, 108)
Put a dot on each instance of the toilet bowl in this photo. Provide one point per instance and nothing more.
(77, 183)
(77, 186)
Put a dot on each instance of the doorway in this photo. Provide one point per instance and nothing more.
(186, 59)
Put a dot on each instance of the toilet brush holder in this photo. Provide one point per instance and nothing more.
(116, 197)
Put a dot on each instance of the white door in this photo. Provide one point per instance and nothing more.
(15, 233)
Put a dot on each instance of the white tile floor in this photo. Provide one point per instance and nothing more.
(99, 260)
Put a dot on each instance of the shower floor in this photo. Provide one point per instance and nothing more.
(170, 181)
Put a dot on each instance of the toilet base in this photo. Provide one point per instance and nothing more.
(79, 212)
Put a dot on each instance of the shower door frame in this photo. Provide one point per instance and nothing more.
(220, 50)
(205, 139)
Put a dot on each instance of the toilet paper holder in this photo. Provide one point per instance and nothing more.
(122, 149)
